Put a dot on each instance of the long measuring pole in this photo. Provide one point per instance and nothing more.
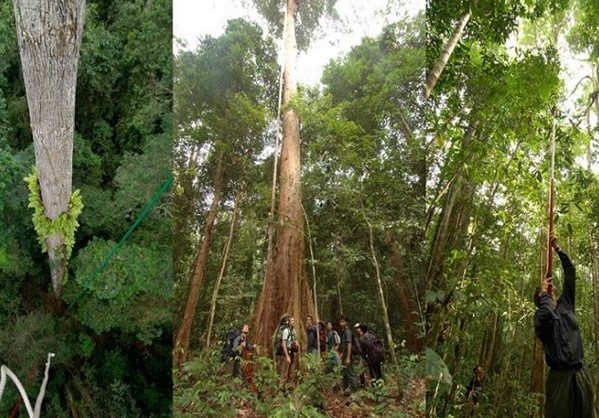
(551, 204)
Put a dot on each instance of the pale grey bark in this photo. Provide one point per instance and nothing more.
(381, 294)
(436, 71)
(49, 34)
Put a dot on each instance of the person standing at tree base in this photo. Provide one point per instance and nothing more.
(332, 342)
(242, 347)
(349, 358)
(569, 386)
(288, 359)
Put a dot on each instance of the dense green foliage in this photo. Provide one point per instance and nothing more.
(489, 129)
(363, 168)
(310, 14)
(353, 141)
(113, 345)
(225, 92)
(205, 386)
(360, 151)
(66, 224)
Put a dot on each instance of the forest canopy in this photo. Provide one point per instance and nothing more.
(112, 334)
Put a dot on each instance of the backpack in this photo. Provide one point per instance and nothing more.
(374, 348)
(228, 351)
(278, 336)
(337, 337)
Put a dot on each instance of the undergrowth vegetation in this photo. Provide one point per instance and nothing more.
(205, 387)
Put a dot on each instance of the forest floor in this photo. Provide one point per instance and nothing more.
(203, 387)
(407, 404)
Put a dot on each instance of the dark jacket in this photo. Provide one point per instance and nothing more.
(473, 389)
(311, 331)
(557, 327)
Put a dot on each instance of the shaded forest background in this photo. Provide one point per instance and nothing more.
(113, 344)
(363, 182)
(489, 128)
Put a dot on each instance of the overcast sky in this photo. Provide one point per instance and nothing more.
(193, 19)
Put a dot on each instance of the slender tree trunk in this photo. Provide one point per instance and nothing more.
(49, 35)
(184, 204)
(338, 286)
(180, 353)
(314, 294)
(409, 315)
(381, 295)
(491, 345)
(450, 228)
(443, 232)
(223, 266)
(538, 376)
(286, 288)
(436, 71)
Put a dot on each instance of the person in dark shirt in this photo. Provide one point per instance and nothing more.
(474, 385)
(371, 352)
(349, 357)
(569, 387)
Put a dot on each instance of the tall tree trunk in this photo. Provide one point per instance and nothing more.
(223, 266)
(337, 281)
(381, 295)
(184, 204)
(452, 224)
(182, 342)
(538, 375)
(286, 288)
(273, 190)
(409, 315)
(49, 35)
(435, 73)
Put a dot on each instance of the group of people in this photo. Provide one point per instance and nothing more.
(569, 388)
(354, 351)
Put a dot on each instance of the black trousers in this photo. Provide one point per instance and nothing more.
(375, 371)
(569, 394)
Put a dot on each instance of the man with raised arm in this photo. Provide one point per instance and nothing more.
(569, 386)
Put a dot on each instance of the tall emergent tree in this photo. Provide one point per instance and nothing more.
(220, 108)
(49, 35)
(285, 287)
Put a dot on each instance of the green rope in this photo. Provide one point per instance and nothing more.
(114, 249)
